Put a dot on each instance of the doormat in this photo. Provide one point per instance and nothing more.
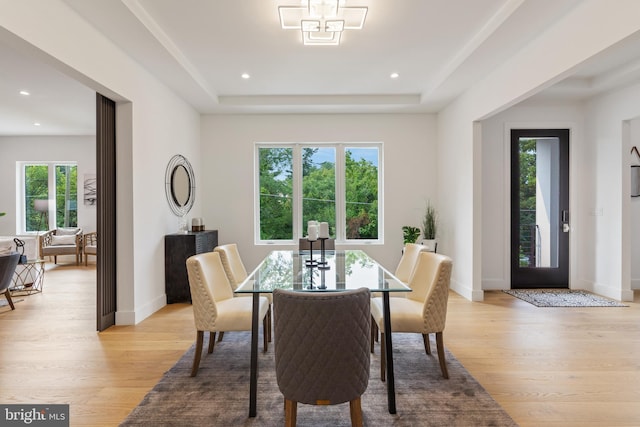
(562, 298)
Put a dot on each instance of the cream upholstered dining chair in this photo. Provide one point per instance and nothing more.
(408, 262)
(403, 272)
(236, 273)
(424, 310)
(214, 307)
(322, 348)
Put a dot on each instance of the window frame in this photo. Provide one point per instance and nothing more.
(340, 191)
(21, 196)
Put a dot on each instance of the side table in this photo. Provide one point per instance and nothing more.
(28, 279)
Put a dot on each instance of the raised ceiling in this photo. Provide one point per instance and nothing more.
(200, 49)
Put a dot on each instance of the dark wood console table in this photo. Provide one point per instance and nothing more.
(177, 248)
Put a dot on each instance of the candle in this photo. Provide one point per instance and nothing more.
(312, 232)
(324, 230)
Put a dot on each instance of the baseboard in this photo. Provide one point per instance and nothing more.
(140, 313)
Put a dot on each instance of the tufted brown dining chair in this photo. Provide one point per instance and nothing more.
(329, 245)
(214, 307)
(309, 327)
(424, 310)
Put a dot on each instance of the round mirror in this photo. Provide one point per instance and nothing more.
(180, 185)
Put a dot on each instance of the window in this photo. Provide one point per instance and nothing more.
(49, 195)
(336, 183)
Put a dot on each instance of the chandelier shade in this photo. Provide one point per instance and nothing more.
(322, 22)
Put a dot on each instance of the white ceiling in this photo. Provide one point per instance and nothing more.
(200, 48)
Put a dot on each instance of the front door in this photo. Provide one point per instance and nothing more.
(539, 208)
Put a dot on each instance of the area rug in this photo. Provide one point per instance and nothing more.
(219, 394)
(562, 298)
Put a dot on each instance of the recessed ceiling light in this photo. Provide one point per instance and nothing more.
(246, 76)
(36, 124)
(394, 75)
(24, 92)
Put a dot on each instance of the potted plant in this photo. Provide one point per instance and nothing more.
(410, 234)
(430, 227)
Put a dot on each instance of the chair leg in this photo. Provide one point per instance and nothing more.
(290, 412)
(220, 336)
(212, 341)
(7, 294)
(269, 323)
(427, 345)
(383, 357)
(198, 353)
(265, 334)
(355, 408)
(443, 363)
(373, 332)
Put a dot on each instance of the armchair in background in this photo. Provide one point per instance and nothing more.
(8, 265)
(90, 242)
(62, 241)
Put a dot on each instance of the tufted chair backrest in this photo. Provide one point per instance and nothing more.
(430, 284)
(208, 283)
(322, 348)
(232, 263)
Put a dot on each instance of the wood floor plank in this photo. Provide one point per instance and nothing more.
(564, 367)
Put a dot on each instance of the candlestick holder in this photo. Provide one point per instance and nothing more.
(323, 264)
(311, 262)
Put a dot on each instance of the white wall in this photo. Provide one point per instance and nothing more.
(228, 153)
(608, 135)
(634, 217)
(496, 180)
(153, 125)
(554, 55)
(80, 149)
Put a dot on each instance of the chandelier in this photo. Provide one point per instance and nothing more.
(322, 22)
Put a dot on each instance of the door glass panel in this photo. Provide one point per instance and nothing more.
(539, 202)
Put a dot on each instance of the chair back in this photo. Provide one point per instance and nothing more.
(322, 347)
(8, 265)
(430, 284)
(208, 283)
(329, 245)
(232, 263)
(408, 261)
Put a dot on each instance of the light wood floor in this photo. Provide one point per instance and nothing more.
(546, 367)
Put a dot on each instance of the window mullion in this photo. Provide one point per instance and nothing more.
(53, 199)
(340, 195)
(297, 192)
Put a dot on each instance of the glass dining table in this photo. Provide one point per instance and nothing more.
(333, 271)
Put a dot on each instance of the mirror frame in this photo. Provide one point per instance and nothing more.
(179, 161)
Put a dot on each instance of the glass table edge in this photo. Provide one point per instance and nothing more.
(241, 288)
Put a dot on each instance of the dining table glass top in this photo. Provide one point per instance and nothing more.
(338, 271)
